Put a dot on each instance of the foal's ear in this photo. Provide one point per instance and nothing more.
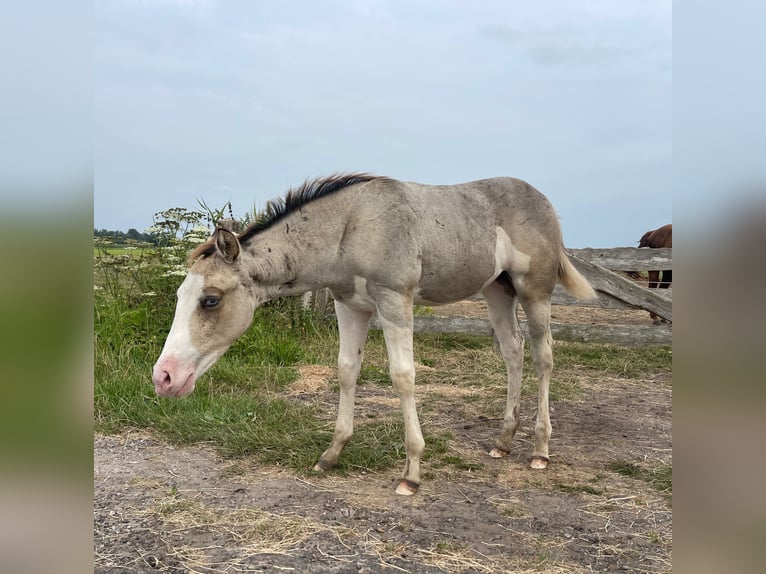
(227, 244)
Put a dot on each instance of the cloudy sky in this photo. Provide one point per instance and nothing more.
(239, 100)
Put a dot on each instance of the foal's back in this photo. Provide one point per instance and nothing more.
(448, 241)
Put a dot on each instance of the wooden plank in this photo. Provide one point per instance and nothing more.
(611, 334)
(627, 258)
(626, 335)
(624, 289)
(604, 301)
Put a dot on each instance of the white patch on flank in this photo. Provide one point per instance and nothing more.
(179, 342)
(361, 298)
(508, 258)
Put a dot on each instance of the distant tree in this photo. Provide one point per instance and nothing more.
(121, 238)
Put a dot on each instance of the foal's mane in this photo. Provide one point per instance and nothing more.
(295, 198)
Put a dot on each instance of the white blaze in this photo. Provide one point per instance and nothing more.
(179, 342)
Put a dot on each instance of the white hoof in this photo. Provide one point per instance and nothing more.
(498, 453)
(539, 463)
(406, 487)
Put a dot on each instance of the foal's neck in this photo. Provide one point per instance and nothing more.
(284, 262)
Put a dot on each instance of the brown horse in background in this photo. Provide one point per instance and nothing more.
(658, 238)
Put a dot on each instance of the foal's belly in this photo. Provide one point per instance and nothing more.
(464, 281)
(457, 273)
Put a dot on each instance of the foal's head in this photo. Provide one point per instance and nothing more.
(215, 306)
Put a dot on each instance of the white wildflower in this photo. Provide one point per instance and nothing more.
(198, 234)
(178, 271)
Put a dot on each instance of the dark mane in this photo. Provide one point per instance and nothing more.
(294, 199)
(279, 208)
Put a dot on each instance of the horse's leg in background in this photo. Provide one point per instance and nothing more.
(538, 313)
(352, 328)
(395, 312)
(502, 304)
(667, 279)
(654, 278)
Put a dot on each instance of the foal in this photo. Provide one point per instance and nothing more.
(381, 245)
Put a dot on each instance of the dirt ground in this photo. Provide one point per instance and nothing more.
(166, 508)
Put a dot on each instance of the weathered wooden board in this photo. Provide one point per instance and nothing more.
(624, 289)
(604, 301)
(627, 258)
(611, 334)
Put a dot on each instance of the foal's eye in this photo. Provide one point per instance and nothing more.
(209, 302)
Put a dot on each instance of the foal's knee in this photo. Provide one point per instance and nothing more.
(348, 371)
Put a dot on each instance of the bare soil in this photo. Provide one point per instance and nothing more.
(166, 508)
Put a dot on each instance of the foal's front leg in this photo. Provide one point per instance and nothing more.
(352, 328)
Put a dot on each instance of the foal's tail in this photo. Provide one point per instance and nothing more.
(572, 280)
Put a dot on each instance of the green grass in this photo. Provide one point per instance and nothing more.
(239, 406)
(660, 477)
(612, 360)
(100, 251)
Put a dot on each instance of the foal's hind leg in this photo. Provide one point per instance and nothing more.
(352, 327)
(538, 313)
(502, 305)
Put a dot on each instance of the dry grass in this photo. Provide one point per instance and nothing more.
(312, 379)
(244, 532)
(251, 529)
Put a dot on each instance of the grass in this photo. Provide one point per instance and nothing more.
(660, 477)
(240, 407)
(100, 251)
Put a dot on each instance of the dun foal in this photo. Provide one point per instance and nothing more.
(382, 245)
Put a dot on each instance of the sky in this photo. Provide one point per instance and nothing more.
(241, 100)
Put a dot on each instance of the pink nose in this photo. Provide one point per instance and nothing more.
(161, 379)
(163, 382)
(172, 379)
